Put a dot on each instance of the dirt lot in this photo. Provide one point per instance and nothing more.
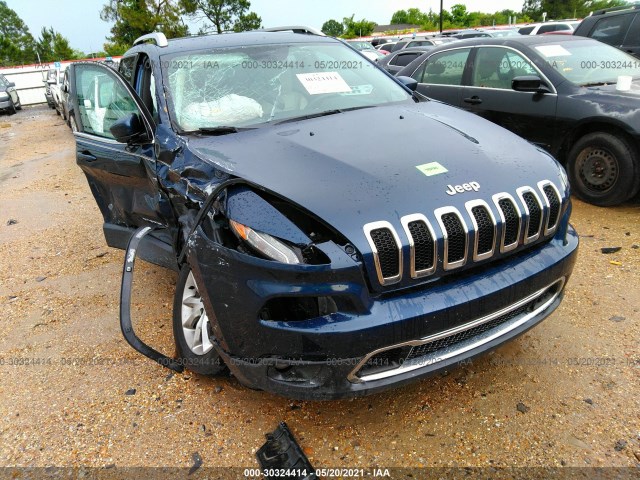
(565, 394)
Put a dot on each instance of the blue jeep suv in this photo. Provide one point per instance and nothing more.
(321, 255)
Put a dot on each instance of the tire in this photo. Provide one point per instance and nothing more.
(195, 350)
(12, 109)
(603, 169)
(57, 111)
(19, 106)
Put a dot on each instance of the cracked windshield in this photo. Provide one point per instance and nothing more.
(240, 87)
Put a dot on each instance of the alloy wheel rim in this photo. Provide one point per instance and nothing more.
(195, 322)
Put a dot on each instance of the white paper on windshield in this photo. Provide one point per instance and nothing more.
(323, 82)
(553, 51)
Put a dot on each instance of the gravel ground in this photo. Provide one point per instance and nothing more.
(565, 394)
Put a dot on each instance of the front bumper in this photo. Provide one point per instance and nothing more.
(5, 104)
(319, 358)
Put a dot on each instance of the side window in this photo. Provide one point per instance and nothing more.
(444, 68)
(546, 28)
(611, 30)
(404, 59)
(496, 67)
(126, 68)
(525, 30)
(102, 100)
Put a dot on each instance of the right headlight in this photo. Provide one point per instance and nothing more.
(269, 246)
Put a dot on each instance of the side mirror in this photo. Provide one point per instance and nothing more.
(11, 84)
(529, 83)
(408, 82)
(127, 128)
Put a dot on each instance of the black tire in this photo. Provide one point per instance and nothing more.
(57, 111)
(203, 361)
(603, 169)
(19, 106)
(12, 109)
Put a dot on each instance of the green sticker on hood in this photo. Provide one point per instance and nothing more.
(430, 169)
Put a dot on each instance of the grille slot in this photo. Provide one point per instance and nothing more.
(554, 204)
(455, 234)
(484, 225)
(422, 243)
(387, 251)
(511, 221)
(533, 212)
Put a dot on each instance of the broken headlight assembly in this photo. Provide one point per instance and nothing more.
(265, 244)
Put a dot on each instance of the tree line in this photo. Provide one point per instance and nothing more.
(131, 19)
(459, 17)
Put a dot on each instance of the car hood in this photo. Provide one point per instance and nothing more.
(357, 167)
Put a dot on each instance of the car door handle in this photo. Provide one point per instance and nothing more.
(475, 100)
(87, 156)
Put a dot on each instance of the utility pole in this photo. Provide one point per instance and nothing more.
(441, 16)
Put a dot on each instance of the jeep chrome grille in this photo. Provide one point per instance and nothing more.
(484, 229)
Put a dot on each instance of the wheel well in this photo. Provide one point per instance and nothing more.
(587, 128)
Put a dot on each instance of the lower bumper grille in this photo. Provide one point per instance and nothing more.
(415, 354)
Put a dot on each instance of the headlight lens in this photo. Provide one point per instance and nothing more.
(266, 244)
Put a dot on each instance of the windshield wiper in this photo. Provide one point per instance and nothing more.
(322, 114)
(221, 130)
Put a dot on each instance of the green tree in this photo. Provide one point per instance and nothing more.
(415, 16)
(52, 46)
(134, 18)
(333, 28)
(460, 15)
(17, 45)
(400, 17)
(250, 21)
(360, 28)
(223, 14)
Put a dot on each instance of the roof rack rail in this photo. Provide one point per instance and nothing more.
(633, 6)
(295, 29)
(156, 37)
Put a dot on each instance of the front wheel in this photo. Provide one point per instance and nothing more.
(603, 169)
(192, 329)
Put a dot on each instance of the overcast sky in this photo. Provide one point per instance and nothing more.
(79, 20)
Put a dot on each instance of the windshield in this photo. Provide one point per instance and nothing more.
(249, 86)
(589, 62)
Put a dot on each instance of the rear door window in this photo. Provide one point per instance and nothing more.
(404, 59)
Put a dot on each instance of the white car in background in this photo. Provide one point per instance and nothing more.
(547, 27)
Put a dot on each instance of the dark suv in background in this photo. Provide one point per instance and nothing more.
(617, 26)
